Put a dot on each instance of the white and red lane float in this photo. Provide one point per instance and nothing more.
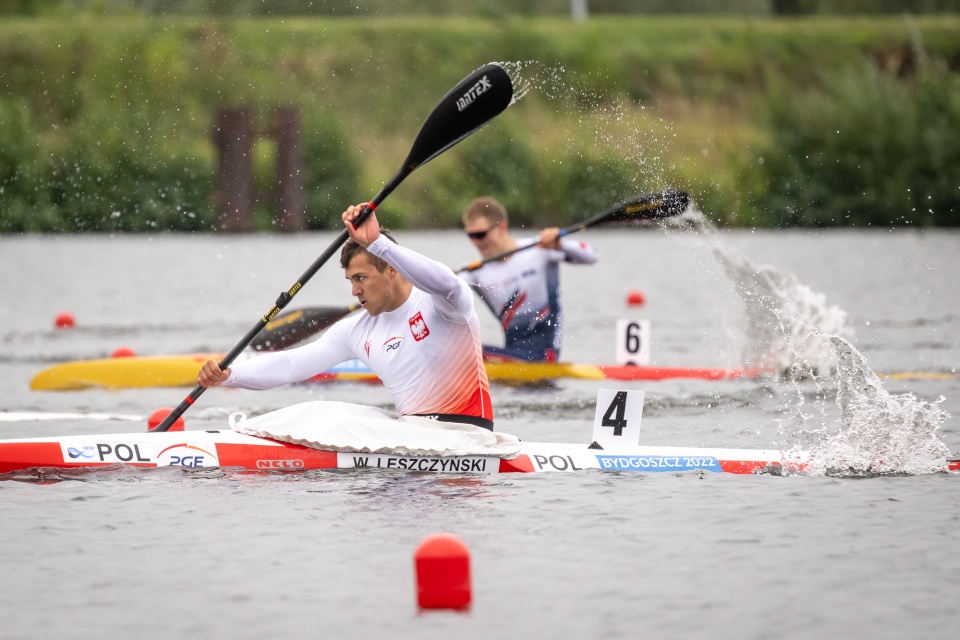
(404, 445)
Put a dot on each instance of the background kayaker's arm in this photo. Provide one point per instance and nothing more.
(655, 206)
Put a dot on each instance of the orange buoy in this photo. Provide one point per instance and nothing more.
(123, 352)
(158, 416)
(64, 321)
(443, 573)
(635, 298)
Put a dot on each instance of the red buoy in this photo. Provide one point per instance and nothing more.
(158, 416)
(443, 573)
(64, 321)
(123, 352)
(635, 298)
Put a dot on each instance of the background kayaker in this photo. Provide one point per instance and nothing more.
(523, 290)
(418, 331)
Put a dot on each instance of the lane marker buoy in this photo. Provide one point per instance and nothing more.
(158, 416)
(443, 573)
(64, 321)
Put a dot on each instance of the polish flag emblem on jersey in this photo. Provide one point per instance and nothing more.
(418, 327)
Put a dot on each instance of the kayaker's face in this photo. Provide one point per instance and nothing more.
(375, 291)
(488, 237)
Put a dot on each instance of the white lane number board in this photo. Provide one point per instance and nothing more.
(617, 421)
(633, 342)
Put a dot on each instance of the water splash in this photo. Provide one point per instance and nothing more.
(619, 128)
(785, 319)
(550, 80)
(792, 330)
(880, 433)
(522, 82)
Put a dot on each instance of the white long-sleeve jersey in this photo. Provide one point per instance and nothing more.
(427, 352)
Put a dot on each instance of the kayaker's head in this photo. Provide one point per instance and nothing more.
(485, 222)
(377, 286)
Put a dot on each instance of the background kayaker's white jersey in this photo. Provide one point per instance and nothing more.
(427, 352)
(523, 291)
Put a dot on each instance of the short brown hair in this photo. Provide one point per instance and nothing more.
(352, 248)
(485, 207)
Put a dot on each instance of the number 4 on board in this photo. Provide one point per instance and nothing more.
(617, 420)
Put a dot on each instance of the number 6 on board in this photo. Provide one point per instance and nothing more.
(633, 342)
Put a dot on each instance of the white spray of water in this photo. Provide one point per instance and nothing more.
(521, 81)
(792, 330)
(880, 433)
(784, 319)
(614, 126)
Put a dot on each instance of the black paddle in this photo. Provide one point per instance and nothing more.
(655, 206)
(291, 327)
(478, 98)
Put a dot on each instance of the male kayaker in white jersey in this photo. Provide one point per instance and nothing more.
(418, 331)
(523, 290)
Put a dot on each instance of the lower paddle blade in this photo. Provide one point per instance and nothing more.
(478, 98)
(295, 326)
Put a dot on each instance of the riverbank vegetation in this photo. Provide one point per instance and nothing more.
(105, 122)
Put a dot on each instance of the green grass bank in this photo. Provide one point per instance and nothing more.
(105, 123)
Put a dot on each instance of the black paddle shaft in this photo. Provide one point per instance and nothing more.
(476, 100)
(655, 206)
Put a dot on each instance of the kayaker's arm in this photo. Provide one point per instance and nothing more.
(282, 367)
(423, 273)
(427, 275)
(577, 252)
(573, 252)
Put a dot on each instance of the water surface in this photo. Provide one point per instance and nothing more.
(243, 554)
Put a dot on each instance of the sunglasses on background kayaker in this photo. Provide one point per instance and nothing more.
(480, 235)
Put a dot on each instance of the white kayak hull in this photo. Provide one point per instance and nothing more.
(200, 449)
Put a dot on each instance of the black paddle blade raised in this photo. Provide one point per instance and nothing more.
(478, 98)
(295, 326)
(654, 206)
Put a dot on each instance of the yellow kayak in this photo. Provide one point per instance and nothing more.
(127, 373)
(181, 371)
